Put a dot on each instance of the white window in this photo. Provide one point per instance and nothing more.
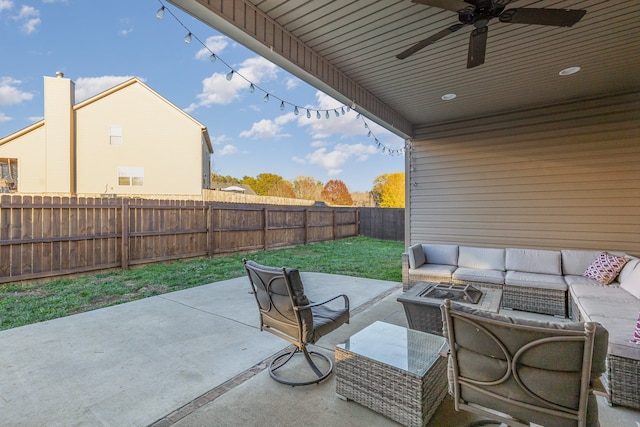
(115, 135)
(130, 176)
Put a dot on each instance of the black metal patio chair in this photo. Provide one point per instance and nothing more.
(286, 312)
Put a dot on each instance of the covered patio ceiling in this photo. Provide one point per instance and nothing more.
(348, 49)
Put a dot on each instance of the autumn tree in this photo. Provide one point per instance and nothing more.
(225, 179)
(362, 199)
(335, 192)
(269, 184)
(388, 190)
(307, 188)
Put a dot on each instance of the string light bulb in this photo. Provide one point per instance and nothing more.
(229, 76)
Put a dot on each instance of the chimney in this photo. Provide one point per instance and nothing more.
(59, 98)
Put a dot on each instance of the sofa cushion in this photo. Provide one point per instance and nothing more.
(605, 268)
(602, 292)
(533, 261)
(481, 258)
(575, 261)
(441, 254)
(620, 331)
(432, 272)
(478, 275)
(630, 278)
(608, 307)
(545, 281)
(585, 281)
(416, 256)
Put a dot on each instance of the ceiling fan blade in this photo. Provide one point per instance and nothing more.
(556, 17)
(452, 5)
(477, 47)
(426, 42)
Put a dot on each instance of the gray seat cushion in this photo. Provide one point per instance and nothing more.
(545, 281)
(432, 271)
(475, 275)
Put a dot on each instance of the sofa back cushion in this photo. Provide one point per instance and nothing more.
(630, 277)
(575, 262)
(533, 261)
(416, 256)
(481, 258)
(440, 254)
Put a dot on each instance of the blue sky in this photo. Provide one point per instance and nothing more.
(100, 44)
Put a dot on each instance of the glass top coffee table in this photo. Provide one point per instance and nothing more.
(422, 303)
(395, 371)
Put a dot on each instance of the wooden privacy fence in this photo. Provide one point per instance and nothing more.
(45, 236)
(382, 223)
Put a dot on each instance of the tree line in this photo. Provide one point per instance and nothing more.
(387, 190)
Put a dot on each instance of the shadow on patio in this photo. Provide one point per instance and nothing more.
(191, 358)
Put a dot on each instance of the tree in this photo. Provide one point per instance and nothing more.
(225, 179)
(269, 184)
(307, 188)
(388, 190)
(335, 192)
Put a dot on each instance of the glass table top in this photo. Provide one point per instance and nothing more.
(407, 349)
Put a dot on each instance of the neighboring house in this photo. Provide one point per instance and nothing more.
(232, 188)
(126, 141)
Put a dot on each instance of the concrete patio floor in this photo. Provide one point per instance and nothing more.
(192, 358)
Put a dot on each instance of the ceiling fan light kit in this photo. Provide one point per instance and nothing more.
(479, 12)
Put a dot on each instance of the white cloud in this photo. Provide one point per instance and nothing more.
(227, 150)
(128, 28)
(5, 5)
(269, 129)
(215, 44)
(4, 118)
(86, 87)
(333, 160)
(292, 83)
(218, 90)
(10, 94)
(29, 18)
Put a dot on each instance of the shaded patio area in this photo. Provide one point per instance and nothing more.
(191, 358)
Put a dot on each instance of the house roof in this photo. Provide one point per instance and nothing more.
(348, 49)
(135, 80)
(106, 93)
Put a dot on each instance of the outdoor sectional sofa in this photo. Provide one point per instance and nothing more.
(549, 282)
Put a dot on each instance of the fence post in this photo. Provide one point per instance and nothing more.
(125, 235)
(335, 224)
(210, 250)
(265, 228)
(306, 226)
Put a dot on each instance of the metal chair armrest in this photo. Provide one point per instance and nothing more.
(316, 304)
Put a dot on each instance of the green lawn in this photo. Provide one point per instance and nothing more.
(36, 302)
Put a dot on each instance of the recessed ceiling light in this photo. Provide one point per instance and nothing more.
(448, 96)
(569, 71)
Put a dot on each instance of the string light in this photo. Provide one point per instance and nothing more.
(252, 87)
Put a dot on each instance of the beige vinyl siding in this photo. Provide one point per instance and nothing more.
(561, 177)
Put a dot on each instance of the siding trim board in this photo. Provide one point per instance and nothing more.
(566, 176)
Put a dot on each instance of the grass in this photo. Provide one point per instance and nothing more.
(23, 304)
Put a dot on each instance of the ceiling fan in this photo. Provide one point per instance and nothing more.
(479, 12)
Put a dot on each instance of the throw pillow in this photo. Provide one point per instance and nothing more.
(605, 268)
(636, 334)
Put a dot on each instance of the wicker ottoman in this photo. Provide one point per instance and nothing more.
(395, 371)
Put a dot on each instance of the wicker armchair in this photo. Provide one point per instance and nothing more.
(286, 312)
(517, 371)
